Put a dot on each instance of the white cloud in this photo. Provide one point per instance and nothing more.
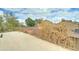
(53, 14)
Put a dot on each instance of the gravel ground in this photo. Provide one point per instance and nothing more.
(18, 41)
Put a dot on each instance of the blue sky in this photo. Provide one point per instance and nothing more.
(52, 14)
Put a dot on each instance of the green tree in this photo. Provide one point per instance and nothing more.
(29, 22)
(1, 23)
(11, 23)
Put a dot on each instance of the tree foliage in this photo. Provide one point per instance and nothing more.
(1, 23)
(11, 22)
(30, 22)
(8, 23)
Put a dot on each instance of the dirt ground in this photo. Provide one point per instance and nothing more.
(18, 41)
